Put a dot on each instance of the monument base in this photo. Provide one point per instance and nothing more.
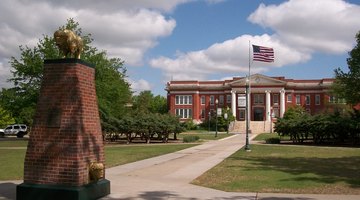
(90, 191)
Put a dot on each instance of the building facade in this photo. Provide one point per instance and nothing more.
(269, 97)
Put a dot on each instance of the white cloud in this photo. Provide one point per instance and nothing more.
(229, 56)
(323, 25)
(116, 5)
(4, 75)
(300, 29)
(139, 85)
(125, 29)
(126, 34)
(214, 1)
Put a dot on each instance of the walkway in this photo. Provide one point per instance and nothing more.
(169, 177)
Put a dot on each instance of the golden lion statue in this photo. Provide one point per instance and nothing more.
(68, 43)
(96, 171)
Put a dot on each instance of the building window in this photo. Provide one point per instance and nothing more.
(297, 100)
(317, 99)
(212, 100)
(258, 98)
(276, 112)
(332, 99)
(184, 113)
(221, 100)
(212, 112)
(202, 113)
(242, 114)
(183, 100)
(289, 98)
(202, 100)
(228, 98)
(276, 99)
(307, 99)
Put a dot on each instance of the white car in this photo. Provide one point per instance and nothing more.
(1, 132)
(16, 129)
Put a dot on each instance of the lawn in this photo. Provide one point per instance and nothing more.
(204, 135)
(118, 155)
(287, 169)
(12, 164)
(14, 143)
(12, 160)
(264, 136)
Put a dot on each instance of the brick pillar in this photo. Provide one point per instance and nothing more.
(66, 135)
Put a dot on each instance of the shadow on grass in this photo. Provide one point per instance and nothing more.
(163, 195)
(328, 170)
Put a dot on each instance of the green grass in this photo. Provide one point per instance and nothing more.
(13, 143)
(12, 164)
(12, 160)
(204, 135)
(264, 136)
(118, 155)
(287, 169)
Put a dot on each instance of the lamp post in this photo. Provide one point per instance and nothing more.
(209, 120)
(247, 145)
(227, 124)
(216, 105)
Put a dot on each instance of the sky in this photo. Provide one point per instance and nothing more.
(163, 40)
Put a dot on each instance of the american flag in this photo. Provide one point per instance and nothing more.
(263, 54)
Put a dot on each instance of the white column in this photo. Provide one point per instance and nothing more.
(268, 105)
(282, 102)
(233, 103)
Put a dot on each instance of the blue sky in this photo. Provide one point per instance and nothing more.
(194, 39)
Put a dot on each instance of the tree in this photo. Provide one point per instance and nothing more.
(347, 85)
(113, 91)
(146, 102)
(5, 118)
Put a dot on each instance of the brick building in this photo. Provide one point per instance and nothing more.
(269, 98)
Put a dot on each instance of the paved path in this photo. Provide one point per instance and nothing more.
(169, 177)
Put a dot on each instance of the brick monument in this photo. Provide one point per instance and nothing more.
(66, 137)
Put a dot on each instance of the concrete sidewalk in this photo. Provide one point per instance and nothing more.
(169, 177)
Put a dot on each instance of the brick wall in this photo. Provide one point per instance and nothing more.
(66, 134)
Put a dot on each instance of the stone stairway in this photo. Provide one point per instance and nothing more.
(255, 127)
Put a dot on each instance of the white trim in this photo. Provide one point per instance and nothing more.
(308, 91)
(184, 92)
(206, 92)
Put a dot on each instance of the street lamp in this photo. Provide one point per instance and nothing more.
(247, 145)
(227, 124)
(216, 129)
(209, 120)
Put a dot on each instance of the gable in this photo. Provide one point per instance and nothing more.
(258, 79)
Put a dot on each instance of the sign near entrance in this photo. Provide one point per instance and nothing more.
(218, 112)
(241, 101)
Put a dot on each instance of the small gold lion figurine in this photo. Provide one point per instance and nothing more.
(96, 171)
(68, 43)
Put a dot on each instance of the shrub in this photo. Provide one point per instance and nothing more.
(272, 141)
(190, 138)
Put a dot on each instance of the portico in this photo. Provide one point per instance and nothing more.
(265, 101)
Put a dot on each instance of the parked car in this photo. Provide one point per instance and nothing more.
(16, 129)
(1, 132)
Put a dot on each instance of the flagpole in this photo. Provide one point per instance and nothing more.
(247, 88)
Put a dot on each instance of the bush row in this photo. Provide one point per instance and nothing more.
(322, 128)
(146, 126)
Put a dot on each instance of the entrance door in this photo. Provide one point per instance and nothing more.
(258, 114)
(241, 114)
